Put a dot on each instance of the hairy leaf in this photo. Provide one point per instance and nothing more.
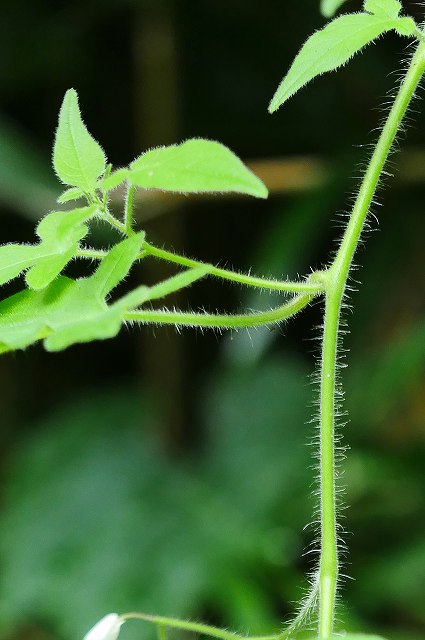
(116, 265)
(15, 258)
(328, 8)
(69, 311)
(77, 158)
(73, 193)
(144, 294)
(337, 42)
(59, 234)
(195, 166)
(116, 178)
(388, 8)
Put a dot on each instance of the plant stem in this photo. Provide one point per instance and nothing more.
(91, 254)
(196, 627)
(328, 570)
(264, 283)
(128, 209)
(220, 321)
(337, 277)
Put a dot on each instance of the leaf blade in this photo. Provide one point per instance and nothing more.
(78, 159)
(330, 48)
(195, 166)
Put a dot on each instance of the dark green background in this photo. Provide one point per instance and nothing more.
(167, 472)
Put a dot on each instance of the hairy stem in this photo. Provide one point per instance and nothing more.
(196, 627)
(128, 209)
(337, 277)
(328, 570)
(264, 283)
(220, 321)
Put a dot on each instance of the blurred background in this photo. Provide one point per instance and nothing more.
(171, 473)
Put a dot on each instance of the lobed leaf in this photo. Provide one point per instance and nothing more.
(68, 312)
(59, 233)
(328, 8)
(194, 166)
(15, 258)
(78, 159)
(337, 42)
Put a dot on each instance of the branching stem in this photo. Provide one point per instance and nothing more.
(337, 277)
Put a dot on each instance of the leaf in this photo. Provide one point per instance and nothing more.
(69, 311)
(14, 258)
(77, 158)
(195, 166)
(336, 43)
(328, 8)
(116, 265)
(388, 8)
(59, 233)
(116, 178)
(73, 193)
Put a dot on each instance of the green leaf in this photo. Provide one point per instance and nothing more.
(195, 166)
(77, 158)
(328, 8)
(337, 42)
(59, 234)
(388, 8)
(15, 258)
(69, 311)
(116, 265)
(166, 287)
(73, 193)
(114, 180)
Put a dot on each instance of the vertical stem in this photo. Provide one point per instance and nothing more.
(128, 209)
(337, 277)
(328, 571)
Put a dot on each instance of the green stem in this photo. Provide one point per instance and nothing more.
(336, 278)
(274, 285)
(128, 209)
(220, 321)
(328, 570)
(196, 627)
(91, 254)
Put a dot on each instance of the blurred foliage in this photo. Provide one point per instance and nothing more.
(106, 505)
(97, 518)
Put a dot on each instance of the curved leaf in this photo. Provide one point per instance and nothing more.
(337, 42)
(195, 166)
(59, 234)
